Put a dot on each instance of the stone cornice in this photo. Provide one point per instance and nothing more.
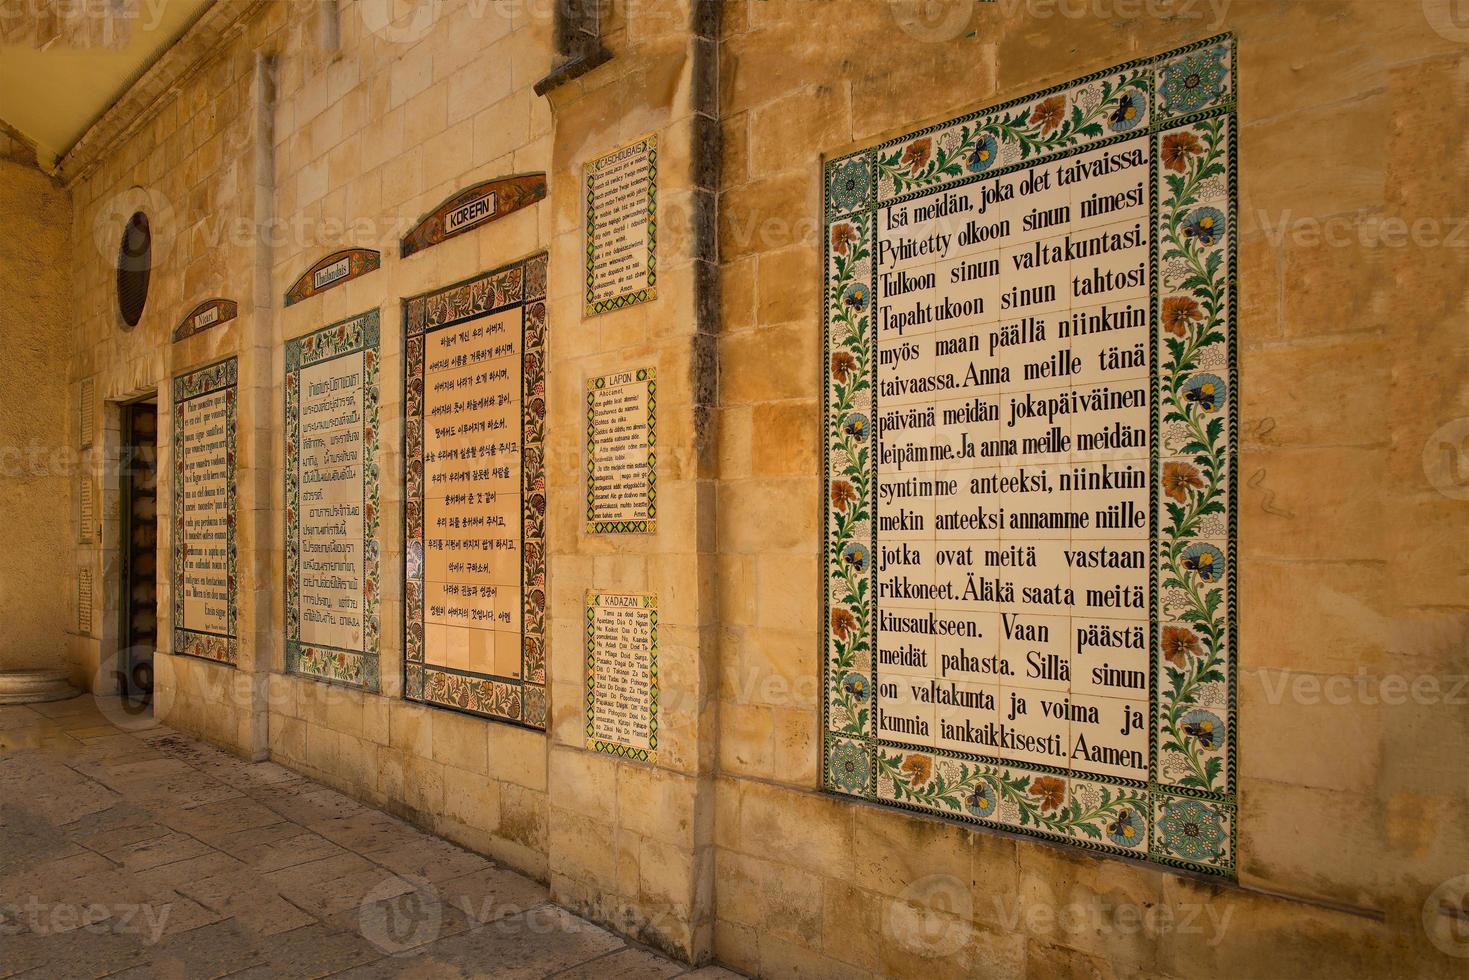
(150, 90)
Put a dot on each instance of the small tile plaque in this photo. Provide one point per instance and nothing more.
(622, 487)
(84, 601)
(621, 191)
(622, 674)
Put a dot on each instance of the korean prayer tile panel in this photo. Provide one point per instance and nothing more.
(475, 495)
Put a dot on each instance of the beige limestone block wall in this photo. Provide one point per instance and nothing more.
(37, 464)
(1352, 512)
(298, 138)
(369, 140)
(371, 136)
(631, 844)
(191, 164)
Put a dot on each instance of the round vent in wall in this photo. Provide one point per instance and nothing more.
(134, 265)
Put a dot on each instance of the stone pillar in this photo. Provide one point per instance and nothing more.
(36, 600)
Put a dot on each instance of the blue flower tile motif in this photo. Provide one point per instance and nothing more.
(985, 151)
(982, 801)
(1205, 391)
(1203, 727)
(855, 554)
(849, 185)
(855, 425)
(1205, 226)
(1126, 829)
(1194, 82)
(856, 296)
(1131, 109)
(1192, 830)
(1205, 561)
(855, 684)
(848, 766)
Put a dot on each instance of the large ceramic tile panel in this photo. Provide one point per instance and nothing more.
(475, 495)
(1030, 416)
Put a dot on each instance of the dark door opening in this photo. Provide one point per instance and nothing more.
(138, 605)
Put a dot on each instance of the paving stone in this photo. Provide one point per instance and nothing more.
(210, 951)
(625, 964)
(492, 893)
(327, 896)
(157, 851)
(430, 858)
(279, 846)
(408, 921)
(190, 871)
(535, 944)
(249, 898)
(369, 831)
(146, 854)
(316, 951)
(61, 954)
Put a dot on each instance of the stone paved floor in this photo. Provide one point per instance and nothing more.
(129, 849)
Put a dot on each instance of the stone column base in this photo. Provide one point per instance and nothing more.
(32, 686)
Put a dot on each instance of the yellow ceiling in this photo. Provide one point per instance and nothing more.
(53, 92)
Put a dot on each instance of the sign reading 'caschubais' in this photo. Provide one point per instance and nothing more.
(622, 227)
(1030, 407)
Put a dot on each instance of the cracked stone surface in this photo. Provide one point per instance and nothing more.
(128, 849)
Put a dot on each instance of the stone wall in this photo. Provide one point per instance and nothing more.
(38, 609)
(298, 136)
(1347, 568)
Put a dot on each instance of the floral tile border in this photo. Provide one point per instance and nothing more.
(1184, 815)
(195, 384)
(520, 284)
(358, 668)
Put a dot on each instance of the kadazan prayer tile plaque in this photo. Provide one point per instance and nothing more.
(1030, 413)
